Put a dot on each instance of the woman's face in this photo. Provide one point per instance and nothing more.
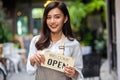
(55, 20)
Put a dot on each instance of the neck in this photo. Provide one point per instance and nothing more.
(56, 36)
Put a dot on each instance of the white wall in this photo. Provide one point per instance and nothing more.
(117, 5)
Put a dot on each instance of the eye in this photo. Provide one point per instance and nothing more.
(57, 17)
(48, 17)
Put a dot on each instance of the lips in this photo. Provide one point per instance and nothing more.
(52, 26)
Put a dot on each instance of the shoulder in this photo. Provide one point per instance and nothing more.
(72, 43)
(35, 38)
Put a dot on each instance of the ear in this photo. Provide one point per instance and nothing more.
(66, 18)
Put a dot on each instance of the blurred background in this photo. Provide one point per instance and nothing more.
(93, 23)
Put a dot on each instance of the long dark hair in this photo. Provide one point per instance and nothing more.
(45, 37)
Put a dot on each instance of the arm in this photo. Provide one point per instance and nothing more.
(77, 54)
(75, 72)
(35, 57)
(32, 50)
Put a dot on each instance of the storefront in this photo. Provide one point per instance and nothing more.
(113, 45)
(111, 40)
(113, 26)
(117, 5)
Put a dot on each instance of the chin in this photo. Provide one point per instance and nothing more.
(54, 31)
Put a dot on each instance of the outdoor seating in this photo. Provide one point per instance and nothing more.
(3, 71)
(12, 55)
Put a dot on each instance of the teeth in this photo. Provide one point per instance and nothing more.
(52, 26)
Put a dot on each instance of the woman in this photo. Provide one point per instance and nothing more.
(55, 28)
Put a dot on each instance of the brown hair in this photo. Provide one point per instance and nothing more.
(45, 37)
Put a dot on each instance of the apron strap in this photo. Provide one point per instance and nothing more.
(62, 45)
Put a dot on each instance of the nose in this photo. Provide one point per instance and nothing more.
(52, 20)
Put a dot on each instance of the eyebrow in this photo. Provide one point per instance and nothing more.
(55, 14)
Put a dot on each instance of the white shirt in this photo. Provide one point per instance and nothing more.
(72, 48)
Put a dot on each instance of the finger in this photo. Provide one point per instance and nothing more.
(69, 71)
(41, 57)
(32, 60)
(66, 71)
(37, 60)
(69, 67)
(67, 74)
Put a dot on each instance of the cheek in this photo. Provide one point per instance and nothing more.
(61, 22)
(47, 21)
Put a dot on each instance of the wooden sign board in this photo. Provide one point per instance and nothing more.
(57, 61)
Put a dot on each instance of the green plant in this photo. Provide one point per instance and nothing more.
(5, 35)
(5, 28)
(79, 12)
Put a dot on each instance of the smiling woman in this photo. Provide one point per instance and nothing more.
(55, 35)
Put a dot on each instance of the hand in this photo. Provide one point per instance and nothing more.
(70, 72)
(38, 58)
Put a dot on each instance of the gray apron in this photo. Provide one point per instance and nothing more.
(43, 73)
(49, 74)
